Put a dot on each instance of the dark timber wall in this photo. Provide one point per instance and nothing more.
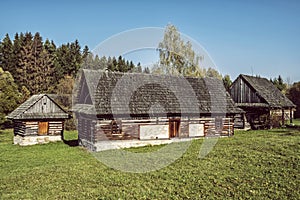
(92, 130)
(242, 93)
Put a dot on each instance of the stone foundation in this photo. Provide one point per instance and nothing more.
(32, 140)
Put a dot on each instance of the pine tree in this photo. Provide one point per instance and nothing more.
(25, 61)
(96, 63)
(86, 52)
(16, 54)
(139, 68)
(50, 63)
(76, 58)
(131, 66)
(69, 60)
(120, 66)
(279, 83)
(6, 54)
(63, 61)
(36, 70)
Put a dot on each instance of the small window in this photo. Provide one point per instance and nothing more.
(115, 127)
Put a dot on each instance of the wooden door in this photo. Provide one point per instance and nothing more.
(43, 128)
(174, 127)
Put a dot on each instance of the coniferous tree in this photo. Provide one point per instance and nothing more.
(16, 54)
(49, 66)
(69, 60)
(76, 58)
(36, 71)
(63, 60)
(97, 63)
(6, 54)
(120, 65)
(139, 68)
(279, 83)
(86, 52)
(25, 61)
(115, 64)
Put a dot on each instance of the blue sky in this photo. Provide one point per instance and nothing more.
(242, 36)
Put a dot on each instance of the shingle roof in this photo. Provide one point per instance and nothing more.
(92, 78)
(147, 94)
(268, 91)
(20, 112)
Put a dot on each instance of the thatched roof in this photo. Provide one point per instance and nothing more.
(26, 110)
(268, 92)
(133, 94)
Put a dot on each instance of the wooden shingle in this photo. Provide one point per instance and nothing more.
(134, 94)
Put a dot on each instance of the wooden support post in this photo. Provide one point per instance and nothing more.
(291, 115)
(244, 120)
(282, 116)
(270, 119)
(233, 125)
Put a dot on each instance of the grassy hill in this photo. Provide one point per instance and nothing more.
(250, 165)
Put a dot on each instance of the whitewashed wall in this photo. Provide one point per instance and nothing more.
(148, 132)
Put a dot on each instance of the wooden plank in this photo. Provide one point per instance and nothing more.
(43, 128)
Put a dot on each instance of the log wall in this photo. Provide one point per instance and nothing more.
(55, 127)
(30, 128)
(126, 129)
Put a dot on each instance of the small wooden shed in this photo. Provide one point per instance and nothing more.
(38, 120)
(264, 104)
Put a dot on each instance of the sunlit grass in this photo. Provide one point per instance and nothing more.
(250, 165)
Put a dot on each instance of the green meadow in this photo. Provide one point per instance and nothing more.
(261, 164)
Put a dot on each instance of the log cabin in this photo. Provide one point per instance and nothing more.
(263, 102)
(38, 120)
(132, 106)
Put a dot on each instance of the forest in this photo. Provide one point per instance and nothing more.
(30, 65)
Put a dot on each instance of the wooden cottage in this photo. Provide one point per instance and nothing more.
(264, 104)
(118, 106)
(38, 120)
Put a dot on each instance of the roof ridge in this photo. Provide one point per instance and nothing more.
(146, 74)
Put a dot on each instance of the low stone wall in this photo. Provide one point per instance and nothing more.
(32, 140)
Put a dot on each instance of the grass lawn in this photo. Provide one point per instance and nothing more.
(249, 165)
(296, 121)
